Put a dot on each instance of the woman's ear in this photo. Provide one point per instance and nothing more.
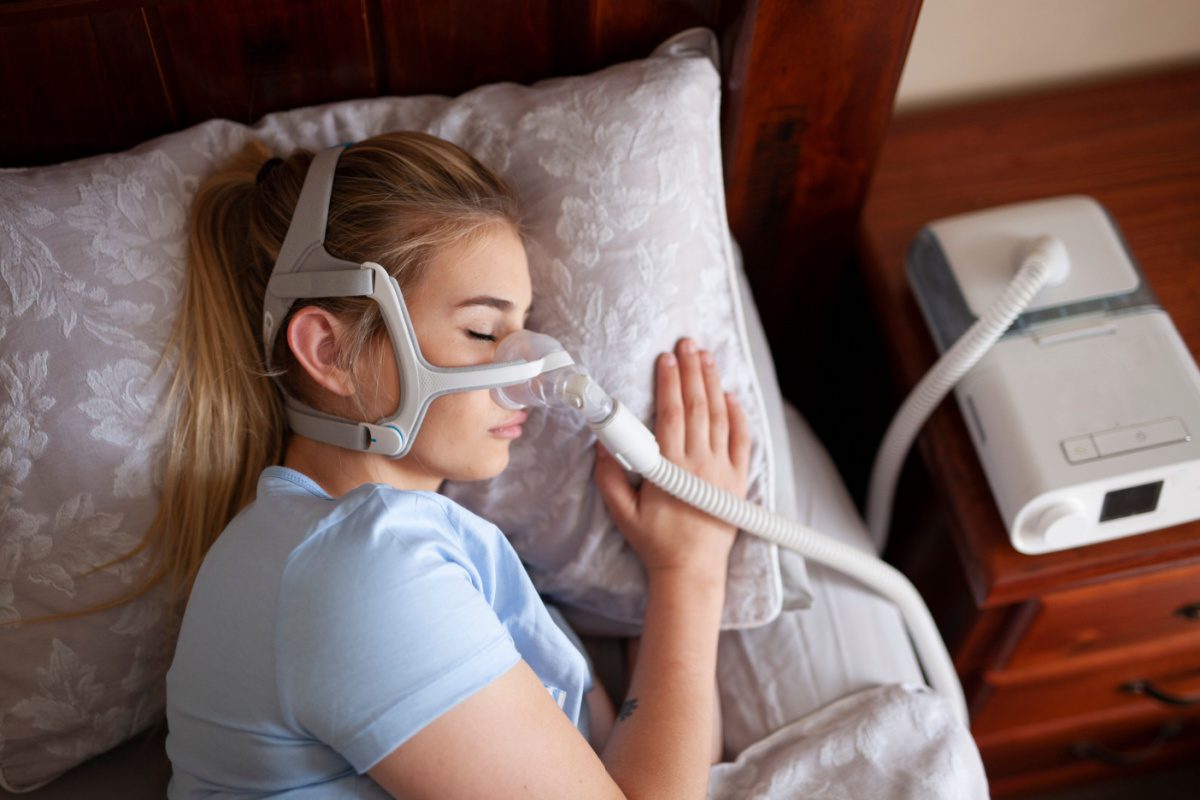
(315, 335)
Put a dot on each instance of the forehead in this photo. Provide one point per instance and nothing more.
(492, 263)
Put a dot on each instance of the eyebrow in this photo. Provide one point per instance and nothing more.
(498, 303)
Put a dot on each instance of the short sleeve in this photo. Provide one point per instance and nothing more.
(384, 625)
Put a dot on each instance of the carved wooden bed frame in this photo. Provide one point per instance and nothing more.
(808, 88)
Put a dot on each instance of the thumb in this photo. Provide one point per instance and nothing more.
(619, 497)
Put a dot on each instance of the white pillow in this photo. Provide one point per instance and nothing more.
(620, 172)
(629, 250)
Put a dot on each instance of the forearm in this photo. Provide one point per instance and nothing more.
(661, 745)
(717, 749)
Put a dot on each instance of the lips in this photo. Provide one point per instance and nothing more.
(510, 429)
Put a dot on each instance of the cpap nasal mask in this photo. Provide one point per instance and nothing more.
(306, 270)
(532, 369)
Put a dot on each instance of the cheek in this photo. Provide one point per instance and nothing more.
(454, 440)
(381, 390)
(460, 417)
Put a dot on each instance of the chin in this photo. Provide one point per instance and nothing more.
(487, 465)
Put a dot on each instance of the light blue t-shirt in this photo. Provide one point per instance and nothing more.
(322, 633)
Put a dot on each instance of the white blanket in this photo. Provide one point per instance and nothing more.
(895, 741)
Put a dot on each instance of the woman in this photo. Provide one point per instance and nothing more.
(351, 632)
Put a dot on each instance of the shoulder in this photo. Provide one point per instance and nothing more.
(391, 604)
(290, 498)
(378, 533)
(381, 515)
(375, 521)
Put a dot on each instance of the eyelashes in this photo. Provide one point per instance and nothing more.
(484, 337)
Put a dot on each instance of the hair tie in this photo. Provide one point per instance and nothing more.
(265, 170)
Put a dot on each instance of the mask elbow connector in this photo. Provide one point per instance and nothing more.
(584, 395)
(568, 386)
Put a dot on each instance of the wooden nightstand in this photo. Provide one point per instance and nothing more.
(1049, 645)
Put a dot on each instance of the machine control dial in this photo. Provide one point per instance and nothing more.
(1063, 524)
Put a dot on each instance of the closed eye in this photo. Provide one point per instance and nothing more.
(487, 337)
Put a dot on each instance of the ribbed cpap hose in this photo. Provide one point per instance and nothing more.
(624, 435)
(868, 570)
(634, 446)
(1045, 264)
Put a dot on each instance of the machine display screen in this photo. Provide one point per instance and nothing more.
(1121, 503)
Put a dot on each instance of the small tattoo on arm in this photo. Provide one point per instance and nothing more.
(627, 709)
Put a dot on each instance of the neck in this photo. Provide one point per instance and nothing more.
(338, 470)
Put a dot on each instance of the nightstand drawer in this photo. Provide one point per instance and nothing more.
(1104, 744)
(1110, 615)
(1154, 675)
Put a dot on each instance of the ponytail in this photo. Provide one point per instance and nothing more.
(398, 199)
(227, 418)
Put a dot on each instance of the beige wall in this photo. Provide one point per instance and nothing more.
(972, 48)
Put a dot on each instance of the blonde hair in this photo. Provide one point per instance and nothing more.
(398, 199)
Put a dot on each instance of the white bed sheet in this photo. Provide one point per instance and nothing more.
(848, 640)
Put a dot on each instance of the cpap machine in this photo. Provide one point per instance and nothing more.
(1082, 400)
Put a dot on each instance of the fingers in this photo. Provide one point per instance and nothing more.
(718, 418)
(668, 407)
(695, 397)
(692, 415)
(739, 436)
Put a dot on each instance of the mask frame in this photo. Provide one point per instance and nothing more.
(306, 270)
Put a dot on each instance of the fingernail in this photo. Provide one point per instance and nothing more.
(688, 346)
(731, 397)
(668, 360)
(707, 358)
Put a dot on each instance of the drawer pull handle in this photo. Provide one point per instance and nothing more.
(1150, 690)
(1127, 758)
(1191, 611)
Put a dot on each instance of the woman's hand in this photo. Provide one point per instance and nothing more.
(703, 430)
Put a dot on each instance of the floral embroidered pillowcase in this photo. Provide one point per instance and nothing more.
(620, 173)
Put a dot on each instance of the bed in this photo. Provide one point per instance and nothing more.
(806, 92)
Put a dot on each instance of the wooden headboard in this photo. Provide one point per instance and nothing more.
(808, 93)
